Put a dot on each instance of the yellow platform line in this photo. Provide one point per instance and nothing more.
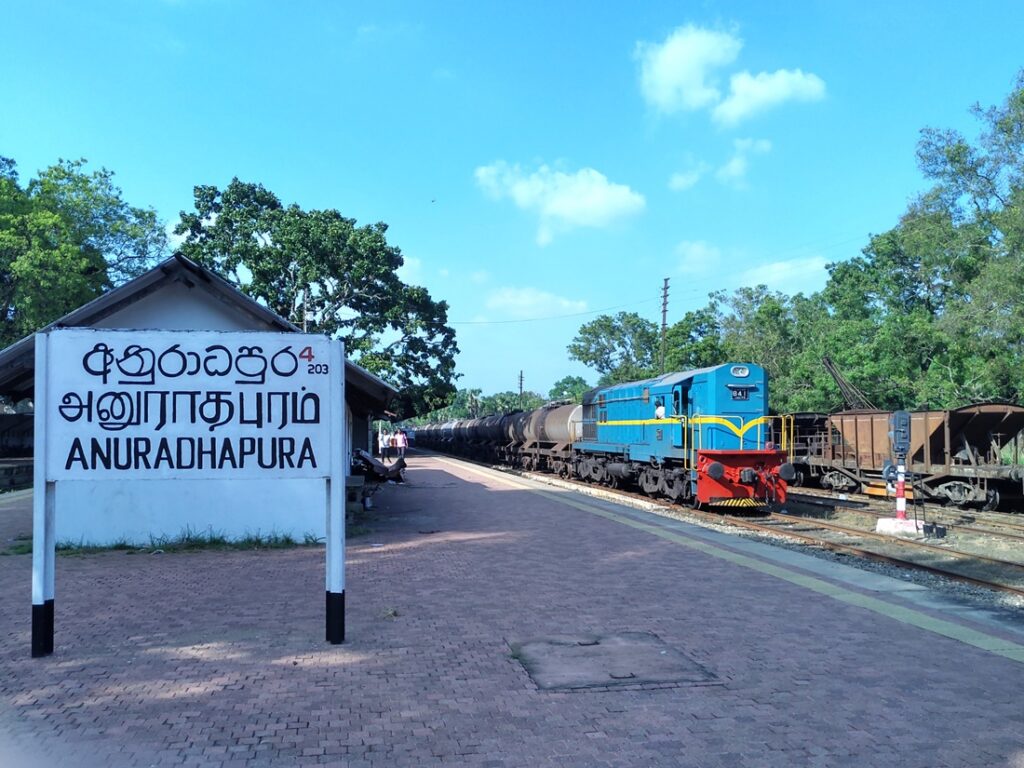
(995, 645)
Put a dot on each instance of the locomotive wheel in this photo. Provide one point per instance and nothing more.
(991, 500)
(674, 489)
(649, 482)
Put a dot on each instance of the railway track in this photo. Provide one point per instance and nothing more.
(943, 560)
(851, 546)
(975, 568)
(988, 523)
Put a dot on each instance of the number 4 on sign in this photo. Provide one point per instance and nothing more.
(306, 354)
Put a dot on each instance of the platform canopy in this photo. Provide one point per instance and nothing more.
(179, 294)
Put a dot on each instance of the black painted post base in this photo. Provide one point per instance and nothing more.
(335, 617)
(42, 629)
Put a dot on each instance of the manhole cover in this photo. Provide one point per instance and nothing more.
(607, 661)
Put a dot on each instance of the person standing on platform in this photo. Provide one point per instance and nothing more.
(401, 443)
(385, 446)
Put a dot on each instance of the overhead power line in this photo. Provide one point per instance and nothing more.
(553, 317)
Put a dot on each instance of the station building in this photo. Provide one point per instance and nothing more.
(181, 295)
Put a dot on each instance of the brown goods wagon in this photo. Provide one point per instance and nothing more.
(957, 455)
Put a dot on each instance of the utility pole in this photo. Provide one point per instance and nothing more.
(664, 321)
(520, 390)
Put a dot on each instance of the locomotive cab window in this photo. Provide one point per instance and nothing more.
(678, 403)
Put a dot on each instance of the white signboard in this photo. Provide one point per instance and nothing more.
(131, 405)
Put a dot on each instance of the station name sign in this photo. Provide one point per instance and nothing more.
(188, 404)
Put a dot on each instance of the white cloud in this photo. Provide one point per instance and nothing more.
(563, 201)
(750, 94)
(525, 303)
(676, 75)
(734, 171)
(679, 74)
(789, 275)
(697, 257)
(683, 180)
(480, 276)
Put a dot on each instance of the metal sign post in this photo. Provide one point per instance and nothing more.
(900, 439)
(44, 539)
(335, 566)
(135, 406)
(901, 446)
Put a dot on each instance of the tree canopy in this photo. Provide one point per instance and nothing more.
(473, 404)
(65, 238)
(620, 347)
(569, 388)
(929, 315)
(326, 274)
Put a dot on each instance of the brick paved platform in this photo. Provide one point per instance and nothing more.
(216, 659)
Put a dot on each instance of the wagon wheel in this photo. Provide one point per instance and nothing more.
(991, 499)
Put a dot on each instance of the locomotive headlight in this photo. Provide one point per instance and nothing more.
(740, 371)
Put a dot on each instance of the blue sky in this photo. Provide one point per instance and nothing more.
(533, 160)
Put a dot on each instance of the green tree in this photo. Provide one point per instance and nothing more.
(758, 327)
(130, 240)
(621, 348)
(979, 191)
(695, 341)
(509, 402)
(569, 388)
(324, 273)
(65, 238)
(930, 314)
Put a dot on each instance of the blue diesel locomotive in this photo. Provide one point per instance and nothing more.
(702, 436)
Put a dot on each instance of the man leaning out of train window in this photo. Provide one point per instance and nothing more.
(659, 409)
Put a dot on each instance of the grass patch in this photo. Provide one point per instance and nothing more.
(72, 548)
(22, 545)
(190, 540)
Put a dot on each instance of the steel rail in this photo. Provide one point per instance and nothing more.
(870, 554)
(912, 543)
(738, 522)
(865, 508)
(749, 524)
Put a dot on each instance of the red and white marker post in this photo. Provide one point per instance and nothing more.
(900, 437)
(901, 489)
